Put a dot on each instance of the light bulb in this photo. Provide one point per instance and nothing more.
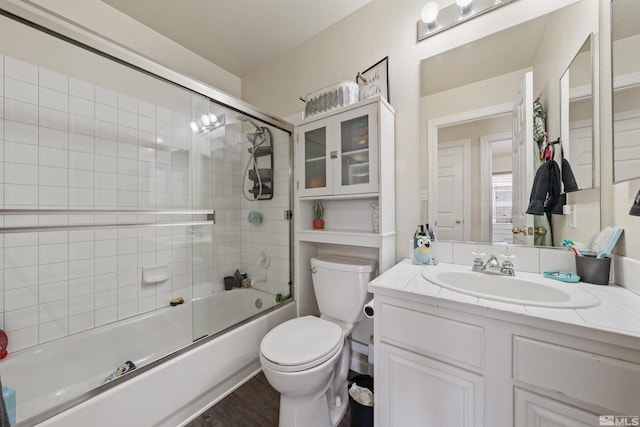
(205, 119)
(213, 118)
(429, 13)
(464, 5)
(193, 126)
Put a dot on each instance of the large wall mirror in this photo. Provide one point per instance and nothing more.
(625, 38)
(577, 86)
(475, 170)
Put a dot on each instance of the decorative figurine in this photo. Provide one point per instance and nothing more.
(422, 251)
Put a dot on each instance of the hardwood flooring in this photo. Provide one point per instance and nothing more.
(254, 404)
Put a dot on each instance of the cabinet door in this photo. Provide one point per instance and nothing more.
(420, 391)
(315, 174)
(534, 410)
(356, 170)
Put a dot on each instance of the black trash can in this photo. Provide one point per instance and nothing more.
(361, 415)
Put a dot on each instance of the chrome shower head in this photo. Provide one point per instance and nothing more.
(247, 119)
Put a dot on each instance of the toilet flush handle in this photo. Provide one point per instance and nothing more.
(314, 269)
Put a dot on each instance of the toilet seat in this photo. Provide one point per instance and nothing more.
(301, 343)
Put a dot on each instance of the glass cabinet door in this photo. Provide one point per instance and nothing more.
(358, 152)
(313, 151)
(339, 154)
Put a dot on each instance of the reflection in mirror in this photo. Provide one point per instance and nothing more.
(576, 116)
(473, 164)
(625, 37)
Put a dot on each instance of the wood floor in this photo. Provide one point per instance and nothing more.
(254, 404)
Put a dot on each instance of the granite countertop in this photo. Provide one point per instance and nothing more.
(618, 311)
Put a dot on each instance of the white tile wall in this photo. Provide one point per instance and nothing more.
(67, 143)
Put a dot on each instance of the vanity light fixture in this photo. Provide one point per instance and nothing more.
(207, 123)
(465, 6)
(429, 15)
(434, 20)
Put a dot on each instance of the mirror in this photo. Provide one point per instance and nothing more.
(576, 116)
(625, 39)
(467, 98)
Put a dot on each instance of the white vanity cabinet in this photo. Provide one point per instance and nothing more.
(466, 365)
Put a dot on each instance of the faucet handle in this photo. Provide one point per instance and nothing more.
(478, 262)
(507, 264)
(507, 257)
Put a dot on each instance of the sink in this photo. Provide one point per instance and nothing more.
(532, 290)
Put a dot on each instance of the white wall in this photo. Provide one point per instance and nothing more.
(381, 28)
(113, 25)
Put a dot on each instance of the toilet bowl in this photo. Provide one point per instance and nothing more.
(307, 359)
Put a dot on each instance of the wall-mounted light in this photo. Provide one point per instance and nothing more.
(207, 123)
(429, 14)
(434, 20)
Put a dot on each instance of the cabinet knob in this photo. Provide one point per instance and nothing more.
(334, 154)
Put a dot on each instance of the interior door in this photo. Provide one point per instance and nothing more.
(522, 116)
(581, 146)
(451, 192)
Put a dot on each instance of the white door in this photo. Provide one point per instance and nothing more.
(581, 146)
(626, 131)
(523, 161)
(451, 220)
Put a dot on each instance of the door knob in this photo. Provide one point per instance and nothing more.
(458, 221)
(518, 230)
(540, 230)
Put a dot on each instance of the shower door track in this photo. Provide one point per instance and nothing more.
(103, 212)
(5, 230)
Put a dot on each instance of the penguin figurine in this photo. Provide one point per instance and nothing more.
(422, 251)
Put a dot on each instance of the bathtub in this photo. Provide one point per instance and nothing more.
(216, 312)
(164, 390)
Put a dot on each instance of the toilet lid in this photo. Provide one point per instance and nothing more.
(306, 340)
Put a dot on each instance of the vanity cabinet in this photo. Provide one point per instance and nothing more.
(449, 367)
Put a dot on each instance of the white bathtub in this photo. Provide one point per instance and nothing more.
(213, 313)
(161, 394)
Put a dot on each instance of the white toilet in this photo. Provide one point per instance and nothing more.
(307, 359)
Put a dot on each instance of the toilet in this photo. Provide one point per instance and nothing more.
(307, 359)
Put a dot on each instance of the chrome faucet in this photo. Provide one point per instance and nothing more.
(492, 266)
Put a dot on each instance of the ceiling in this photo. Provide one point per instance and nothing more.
(238, 35)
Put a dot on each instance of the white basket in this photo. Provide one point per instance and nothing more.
(330, 97)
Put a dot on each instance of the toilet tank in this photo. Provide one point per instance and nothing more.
(340, 285)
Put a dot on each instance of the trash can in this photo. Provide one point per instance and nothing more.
(361, 415)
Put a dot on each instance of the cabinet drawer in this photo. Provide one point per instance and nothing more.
(596, 379)
(448, 340)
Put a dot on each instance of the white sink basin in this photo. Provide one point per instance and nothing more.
(536, 291)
